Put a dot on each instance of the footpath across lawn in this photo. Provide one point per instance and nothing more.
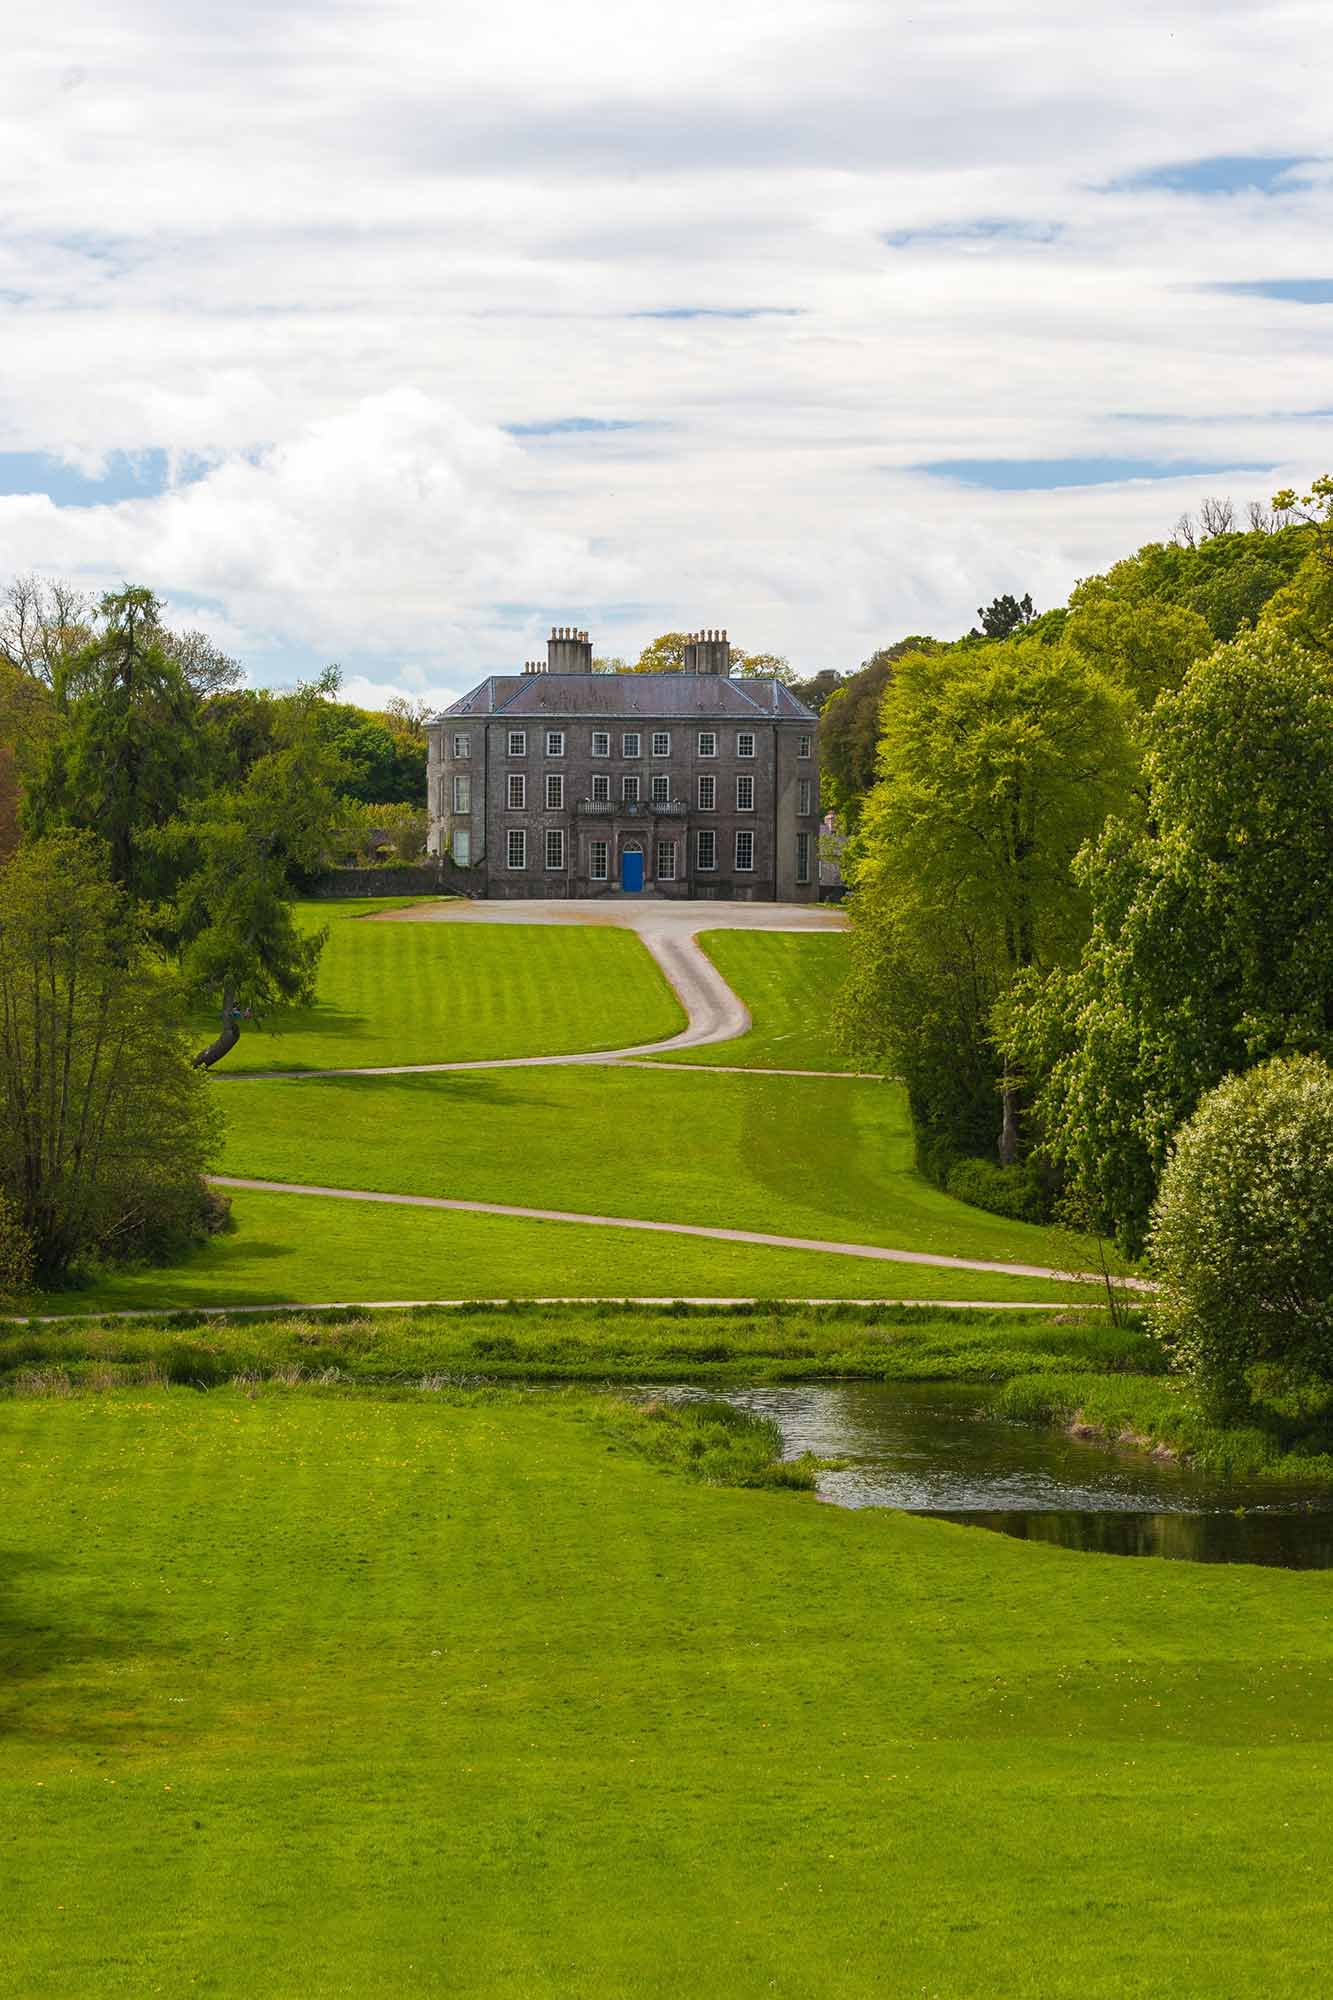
(798, 1156)
(339, 1696)
(790, 981)
(459, 992)
(302, 1249)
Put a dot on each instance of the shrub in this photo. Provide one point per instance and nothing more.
(1014, 1191)
(1241, 1239)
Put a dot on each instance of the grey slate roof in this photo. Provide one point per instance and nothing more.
(651, 697)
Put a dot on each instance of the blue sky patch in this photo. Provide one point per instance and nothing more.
(719, 312)
(1032, 475)
(980, 229)
(1225, 173)
(578, 426)
(1295, 291)
(128, 475)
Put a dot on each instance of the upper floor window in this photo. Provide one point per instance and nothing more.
(803, 746)
(661, 791)
(462, 793)
(629, 790)
(555, 742)
(516, 847)
(518, 791)
(601, 743)
(707, 785)
(630, 743)
(745, 742)
(518, 742)
(805, 793)
(601, 785)
(744, 852)
(708, 743)
(745, 793)
(661, 743)
(555, 791)
(462, 746)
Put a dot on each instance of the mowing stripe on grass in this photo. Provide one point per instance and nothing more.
(873, 1251)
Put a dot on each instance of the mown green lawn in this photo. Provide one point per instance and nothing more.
(300, 1249)
(337, 1697)
(456, 992)
(790, 981)
(797, 1156)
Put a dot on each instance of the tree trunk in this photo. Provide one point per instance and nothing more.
(227, 1040)
(1008, 1140)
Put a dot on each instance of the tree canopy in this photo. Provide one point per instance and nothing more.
(1211, 945)
(105, 1131)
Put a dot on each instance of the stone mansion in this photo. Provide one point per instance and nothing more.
(564, 782)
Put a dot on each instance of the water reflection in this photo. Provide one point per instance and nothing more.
(1290, 1541)
(942, 1450)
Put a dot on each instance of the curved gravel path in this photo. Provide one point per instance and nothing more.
(876, 1252)
(669, 930)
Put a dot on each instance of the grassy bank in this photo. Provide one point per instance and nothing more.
(828, 1158)
(790, 982)
(460, 992)
(1162, 1413)
(295, 1249)
(324, 1696)
(579, 1343)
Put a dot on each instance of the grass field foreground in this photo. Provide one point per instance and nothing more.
(316, 1696)
(424, 992)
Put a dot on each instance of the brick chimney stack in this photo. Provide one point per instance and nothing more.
(568, 651)
(707, 653)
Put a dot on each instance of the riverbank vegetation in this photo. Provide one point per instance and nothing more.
(599, 1343)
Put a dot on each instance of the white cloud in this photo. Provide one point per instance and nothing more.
(333, 251)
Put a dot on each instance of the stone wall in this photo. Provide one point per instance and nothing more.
(428, 878)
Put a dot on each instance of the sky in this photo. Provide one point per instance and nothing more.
(393, 334)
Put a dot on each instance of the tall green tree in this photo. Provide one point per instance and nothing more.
(996, 765)
(849, 726)
(237, 853)
(1211, 945)
(127, 748)
(1004, 616)
(105, 1130)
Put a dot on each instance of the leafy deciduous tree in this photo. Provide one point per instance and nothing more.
(104, 1128)
(1211, 945)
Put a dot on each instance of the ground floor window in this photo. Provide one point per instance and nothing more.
(666, 860)
(802, 857)
(599, 857)
(462, 846)
(516, 847)
(744, 852)
(705, 849)
(555, 847)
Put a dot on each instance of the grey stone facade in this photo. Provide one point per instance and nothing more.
(561, 782)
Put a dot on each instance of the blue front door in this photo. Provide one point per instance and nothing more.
(631, 871)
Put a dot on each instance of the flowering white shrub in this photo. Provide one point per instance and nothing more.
(1241, 1240)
